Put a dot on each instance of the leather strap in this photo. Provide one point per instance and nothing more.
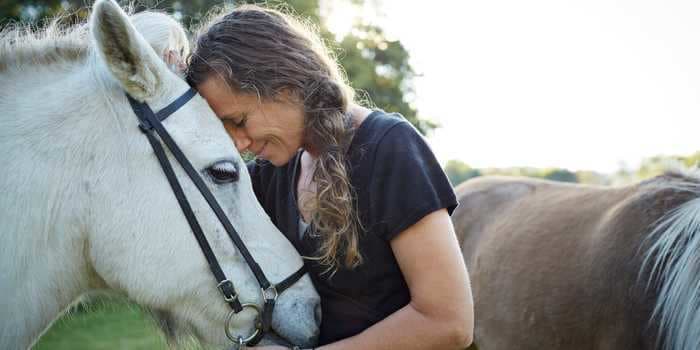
(226, 288)
(150, 124)
(289, 281)
(208, 196)
(175, 105)
(268, 308)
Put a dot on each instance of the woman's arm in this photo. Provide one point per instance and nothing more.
(440, 314)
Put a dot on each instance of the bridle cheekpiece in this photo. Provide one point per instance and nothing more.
(150, 124)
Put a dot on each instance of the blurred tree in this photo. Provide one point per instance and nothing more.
(459, 172)
(377, 67)
(35, 11)
(656, 165)
(592, 177)
(380, 68)
(692, 160)
(555, 174)
(513, 171)
(561, 175)
(652, 166)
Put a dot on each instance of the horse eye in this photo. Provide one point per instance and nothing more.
(224, 171)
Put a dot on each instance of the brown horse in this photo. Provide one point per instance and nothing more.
(562, 266)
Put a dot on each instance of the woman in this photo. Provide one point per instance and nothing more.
(356, 191)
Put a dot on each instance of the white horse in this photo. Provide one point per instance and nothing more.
(84, 205)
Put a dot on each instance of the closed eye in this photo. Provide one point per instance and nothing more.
(223, 171)
(241, 123)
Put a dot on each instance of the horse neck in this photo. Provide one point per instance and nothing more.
(48, 143)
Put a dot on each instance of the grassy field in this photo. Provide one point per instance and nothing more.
(107, 324)
(101, 325)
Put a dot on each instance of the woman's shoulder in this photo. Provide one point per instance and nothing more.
(404, 180)
(381, 127)
(385, 139)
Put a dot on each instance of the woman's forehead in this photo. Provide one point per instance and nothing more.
(224, 100)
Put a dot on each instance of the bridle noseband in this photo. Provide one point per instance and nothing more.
(150, 124)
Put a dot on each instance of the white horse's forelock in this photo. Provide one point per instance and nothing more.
(76, 174)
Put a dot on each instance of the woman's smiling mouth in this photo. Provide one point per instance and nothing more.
(260, 152)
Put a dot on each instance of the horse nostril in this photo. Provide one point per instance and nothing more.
(317, 314)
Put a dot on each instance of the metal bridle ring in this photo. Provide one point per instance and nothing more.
(227, 325)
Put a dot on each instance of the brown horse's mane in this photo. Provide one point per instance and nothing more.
(684, 174)
(676, 178)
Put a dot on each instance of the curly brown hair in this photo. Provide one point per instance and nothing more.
(267, 52)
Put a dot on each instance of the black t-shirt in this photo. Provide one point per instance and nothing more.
(397, 181)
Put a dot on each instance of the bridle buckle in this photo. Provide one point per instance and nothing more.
(145, 126)
(227, 289)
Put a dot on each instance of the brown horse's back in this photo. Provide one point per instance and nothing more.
(556, 266)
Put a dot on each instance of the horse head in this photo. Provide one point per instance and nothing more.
(107, 218)
(141, 73)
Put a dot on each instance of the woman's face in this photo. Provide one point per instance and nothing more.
(272, 130)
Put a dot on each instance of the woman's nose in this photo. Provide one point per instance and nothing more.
(241, 139)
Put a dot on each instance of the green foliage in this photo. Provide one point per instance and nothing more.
(28, 11)
(39, 10)
(592, 178)
(561, 175)
(514, 171)
(692, 160)
(379, 68)
(459, 172)
(306, 9)
(654, 166)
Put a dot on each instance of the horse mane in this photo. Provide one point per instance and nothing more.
(55, 42)
(23, 43)
(690, 174)
(676, 176)
(683, 178)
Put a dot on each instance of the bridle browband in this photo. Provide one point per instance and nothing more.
(150, 124)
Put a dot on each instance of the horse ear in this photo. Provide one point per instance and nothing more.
(126, 53)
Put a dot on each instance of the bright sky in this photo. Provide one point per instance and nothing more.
(552, 83)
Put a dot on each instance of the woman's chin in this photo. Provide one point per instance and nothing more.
(278, 160)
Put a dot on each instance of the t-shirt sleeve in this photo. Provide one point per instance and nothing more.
(407, 182)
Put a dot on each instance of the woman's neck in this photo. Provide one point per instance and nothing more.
(358, 114)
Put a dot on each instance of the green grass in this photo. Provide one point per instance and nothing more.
(101, 325)
(107, 323)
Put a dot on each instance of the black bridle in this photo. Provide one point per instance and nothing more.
(150, 124)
